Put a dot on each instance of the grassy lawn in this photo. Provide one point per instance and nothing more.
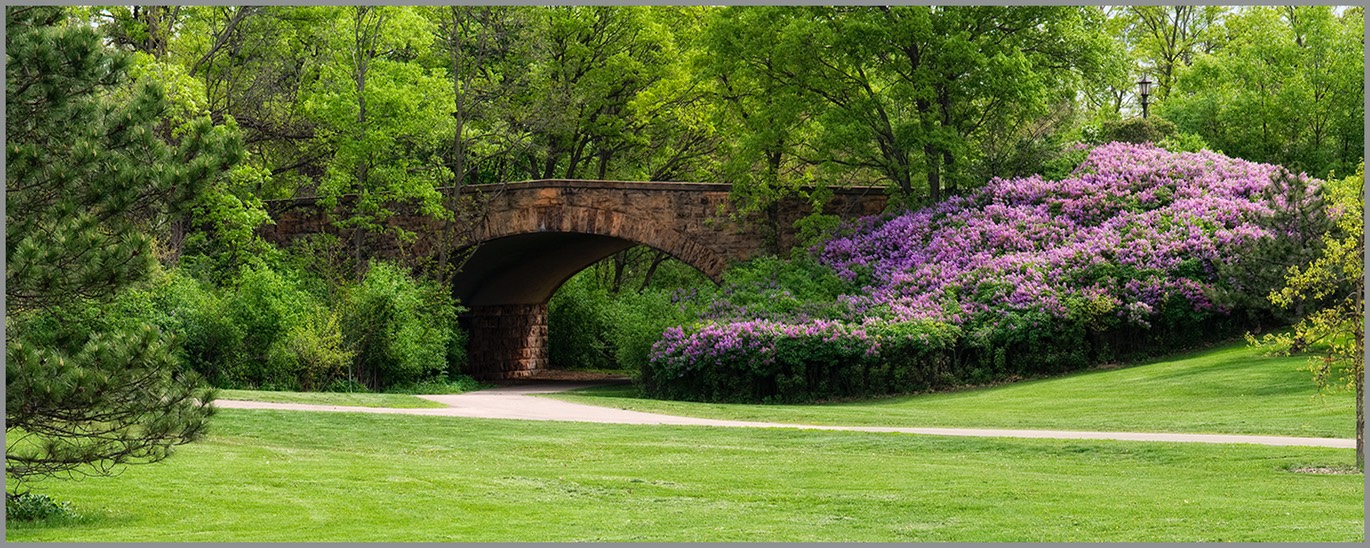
(1227, 389)
(303, 476)
(353, 399)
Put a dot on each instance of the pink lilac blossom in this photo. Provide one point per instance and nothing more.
(1162, 221)
(1135, 227)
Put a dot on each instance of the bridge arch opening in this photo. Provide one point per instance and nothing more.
(506, 283)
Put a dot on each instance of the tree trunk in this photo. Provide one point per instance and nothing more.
(1360, 422)
(657, 259)
(934, 173)
(620, 262)
(948, 160)
(604, 156)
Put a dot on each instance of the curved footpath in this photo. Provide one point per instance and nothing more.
(519, 403)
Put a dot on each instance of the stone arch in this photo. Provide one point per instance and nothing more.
(524, 255)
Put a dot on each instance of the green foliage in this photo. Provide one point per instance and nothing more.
(314, 351)
(35, 507)
(798, 287)
(87, 171)
(637, 321)
(211, 342)
(776, 364)
(1135, 130)
(579, 324)
(88, 174)
(1066, 162)
(1334, 280)
(924, 123)
(268, 307)
(287, 328)
(1184, 142)
(1285, 87)
(1301, 219)
(590, 327)
(401, 329)
(83, 406)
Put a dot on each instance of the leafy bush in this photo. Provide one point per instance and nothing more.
(268, 306)
(34, 507)
(1184, 142)
(637, 321)
(210, 341)
(1135, 130)
(591, 327)
(401, 329)
(768, 287)
(314, 351)
(579, 324)
(276, 327)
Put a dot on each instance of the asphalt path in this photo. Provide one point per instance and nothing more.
(520, 402)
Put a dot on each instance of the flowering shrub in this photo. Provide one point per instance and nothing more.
(1030, 273)
(769, 361)
(1135, 225)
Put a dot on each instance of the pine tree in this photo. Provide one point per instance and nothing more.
(1332, 283)
(87, 180)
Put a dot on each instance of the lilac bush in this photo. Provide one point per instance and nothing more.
(1023, 271)
(1134, 226)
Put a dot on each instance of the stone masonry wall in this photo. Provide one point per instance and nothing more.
(507, 341)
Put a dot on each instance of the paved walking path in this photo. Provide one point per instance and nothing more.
(519, 403)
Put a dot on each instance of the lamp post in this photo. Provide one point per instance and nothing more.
(1144, 89)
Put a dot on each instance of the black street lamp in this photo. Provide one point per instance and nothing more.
(1144, 89)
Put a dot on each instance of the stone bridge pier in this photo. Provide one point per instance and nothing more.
(535, 235)
(507, 340)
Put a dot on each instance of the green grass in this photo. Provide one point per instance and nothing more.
(353, 399)
(1226, 389)
(302, 476)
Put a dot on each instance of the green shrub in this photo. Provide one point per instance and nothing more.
(316, 348)
(267, 306)
(34, 507)
(1184, 142)
(637, 321)
(402, 330)
(770, 287)
(1135, 130)
(579, 324)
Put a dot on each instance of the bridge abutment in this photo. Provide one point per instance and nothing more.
(508, 341)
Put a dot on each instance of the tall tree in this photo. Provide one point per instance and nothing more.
(904, 92)
(1286, 87)
(384, 118)
(86, 175)
(1171, 37)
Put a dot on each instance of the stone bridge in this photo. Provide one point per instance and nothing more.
(536, 234)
